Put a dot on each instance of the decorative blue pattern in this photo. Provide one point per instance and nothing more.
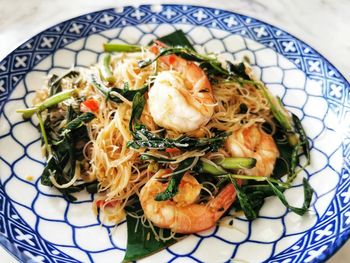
(315, 245)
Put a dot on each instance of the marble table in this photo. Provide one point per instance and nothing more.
(323, 24)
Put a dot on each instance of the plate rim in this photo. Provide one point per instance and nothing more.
(11, 248)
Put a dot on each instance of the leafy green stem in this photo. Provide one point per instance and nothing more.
(258, 178)
(43, 134)
(117, 47)
(206, 167)
(220, 167)
(303, 138)
(106, 69)
(49, 102)
(79, 121)
(237, 163)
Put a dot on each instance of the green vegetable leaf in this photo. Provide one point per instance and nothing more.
(138, 103)
(300, 143)
(244, 201)
(92, 188)
(308, 192)
(143, 138)
(210, 64)
(257, 193)
(142, 242)
(141, 239)
(50, 167)
(173, 185)
(54, 85)
(79, 121)
(184, 52)
(177, 38)
(67, 144)
(237, 69)
(302, 137)
(284, 161)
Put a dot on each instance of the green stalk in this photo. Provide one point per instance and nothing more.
(233, 163)
(275, 104)
(303, 138)
(106, 70)
(237, 163)
(277, 110)
(43, 133)
(116, 47)
(258, 178)
(211, 169)
(49, 102)
(206, 167)
(218, 167)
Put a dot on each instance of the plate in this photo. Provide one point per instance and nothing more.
(37, 223)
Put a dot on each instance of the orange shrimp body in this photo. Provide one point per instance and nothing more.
(182, 214)
(254, 142)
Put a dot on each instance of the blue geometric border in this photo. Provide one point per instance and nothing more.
(336, 90)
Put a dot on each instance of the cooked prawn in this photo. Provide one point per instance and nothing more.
(181, 98)
(182, 214)
(254, 142)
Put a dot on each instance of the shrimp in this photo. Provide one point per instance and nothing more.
(254, 142)
(181, 98)
(182, 214)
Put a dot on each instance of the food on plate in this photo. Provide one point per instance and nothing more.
(254, 142)
(170, 138)
(182, 214)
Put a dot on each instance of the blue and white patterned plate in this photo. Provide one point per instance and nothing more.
(37, 224)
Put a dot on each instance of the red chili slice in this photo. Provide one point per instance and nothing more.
(172, 150)
(89, 105)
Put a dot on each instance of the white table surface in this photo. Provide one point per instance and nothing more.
(323, 24)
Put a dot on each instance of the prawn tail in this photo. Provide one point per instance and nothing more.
(223, 201)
